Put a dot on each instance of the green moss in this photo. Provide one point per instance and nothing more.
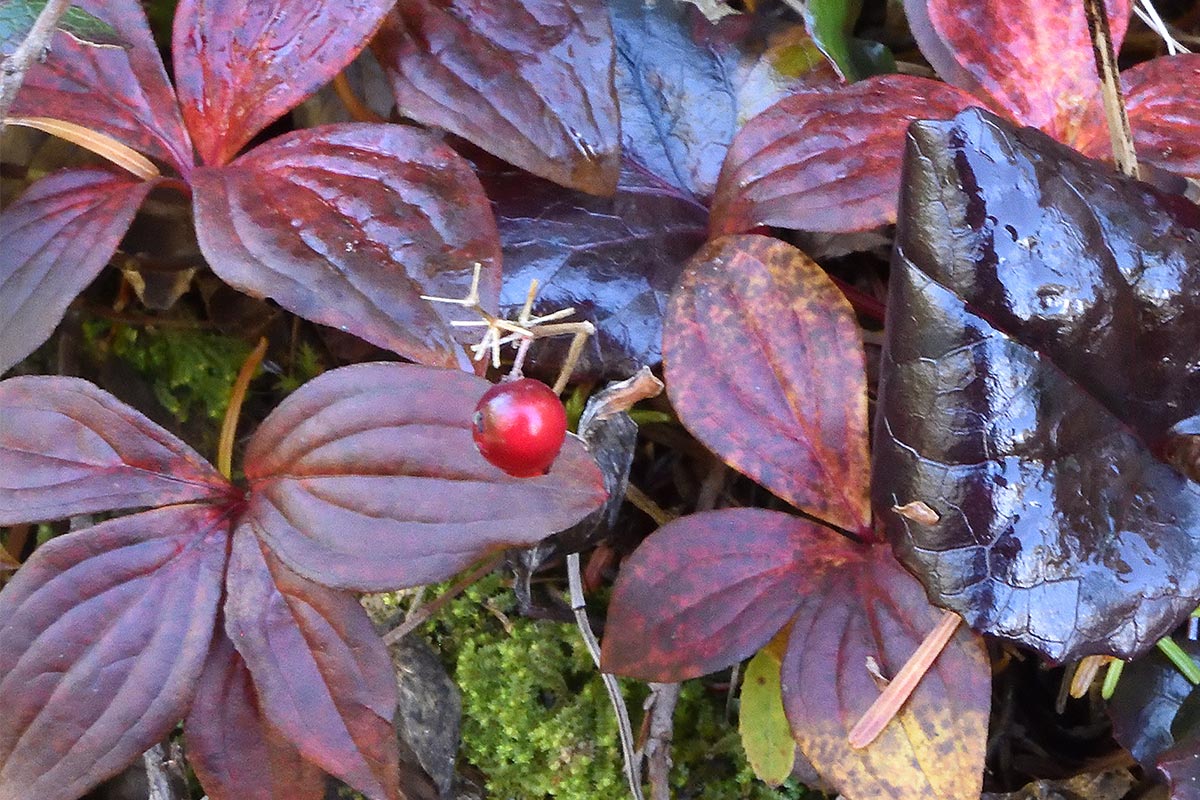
(537, 721)
(190, 371)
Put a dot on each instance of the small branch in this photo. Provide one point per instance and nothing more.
(417, 618)
(625, 730)
(661, 706)
(30, 50)
(1110, 88)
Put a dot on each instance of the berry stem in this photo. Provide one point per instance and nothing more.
(236, 397)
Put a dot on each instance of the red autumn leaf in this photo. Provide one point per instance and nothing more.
(708, 590)
(530, 81)
(239, 66)
(614, 260)
(103, 634)
(827, 161)
(765, 366)
(226, 719)
(56, 238)
(122, 92)
(368, 478)
(347, 225)
(1031, 59)
(323, 676)
(1162, 97)
(935, 747)
(69, 448)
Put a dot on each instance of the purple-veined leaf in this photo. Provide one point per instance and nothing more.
(236, 753)
(347, 225)
(614, 260)
(934, 748)
(122, 92)
(322, 675)
(67, 447)
(239, 66)
(707, 590)
(368, 478)
(1029, 58)
(1040, 348)
(765, 366)
(56, 237)
(530, 81)
(827, 161)
(103, 634)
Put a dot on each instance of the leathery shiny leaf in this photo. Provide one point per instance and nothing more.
(867, 620)
(1039, 353)
(368, 478)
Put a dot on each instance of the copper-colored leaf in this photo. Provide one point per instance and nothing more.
(530, 81)
(347, 225)
(1040, 349)
(765, 367)
(236, 753)
(827, 161)
(67, 447)
(239, 66)
(1163, 99)
(1030, 58)
(322, 675)
(935, 747)
(56, 238)
(368, 478)
(122, 92)
(103, 634)
(707, 590)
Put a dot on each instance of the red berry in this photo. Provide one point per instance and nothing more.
(519, 426)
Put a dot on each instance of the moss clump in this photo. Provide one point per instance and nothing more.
(190, 371)
(537, 721)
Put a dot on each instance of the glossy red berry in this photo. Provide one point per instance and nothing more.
(519, 426)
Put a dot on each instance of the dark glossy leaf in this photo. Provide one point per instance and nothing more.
(530, 81)
(872, 609)
(67, 447)
(103, 634)
(1146, 701)
(56, 238)
(765, 366)
(1030, 58)
(827, 161)
(614, 260)
(237, 755)
(686, 85)
(122, 93)
(1181, 765)
(347, 225)
(1044, 348)
(239, 66)
(1163, 99)
(368, 478)
(708, 590)
(323, 676)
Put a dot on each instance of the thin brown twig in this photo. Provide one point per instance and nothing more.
(418, 617)
(31, 49)
(1119, 131)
